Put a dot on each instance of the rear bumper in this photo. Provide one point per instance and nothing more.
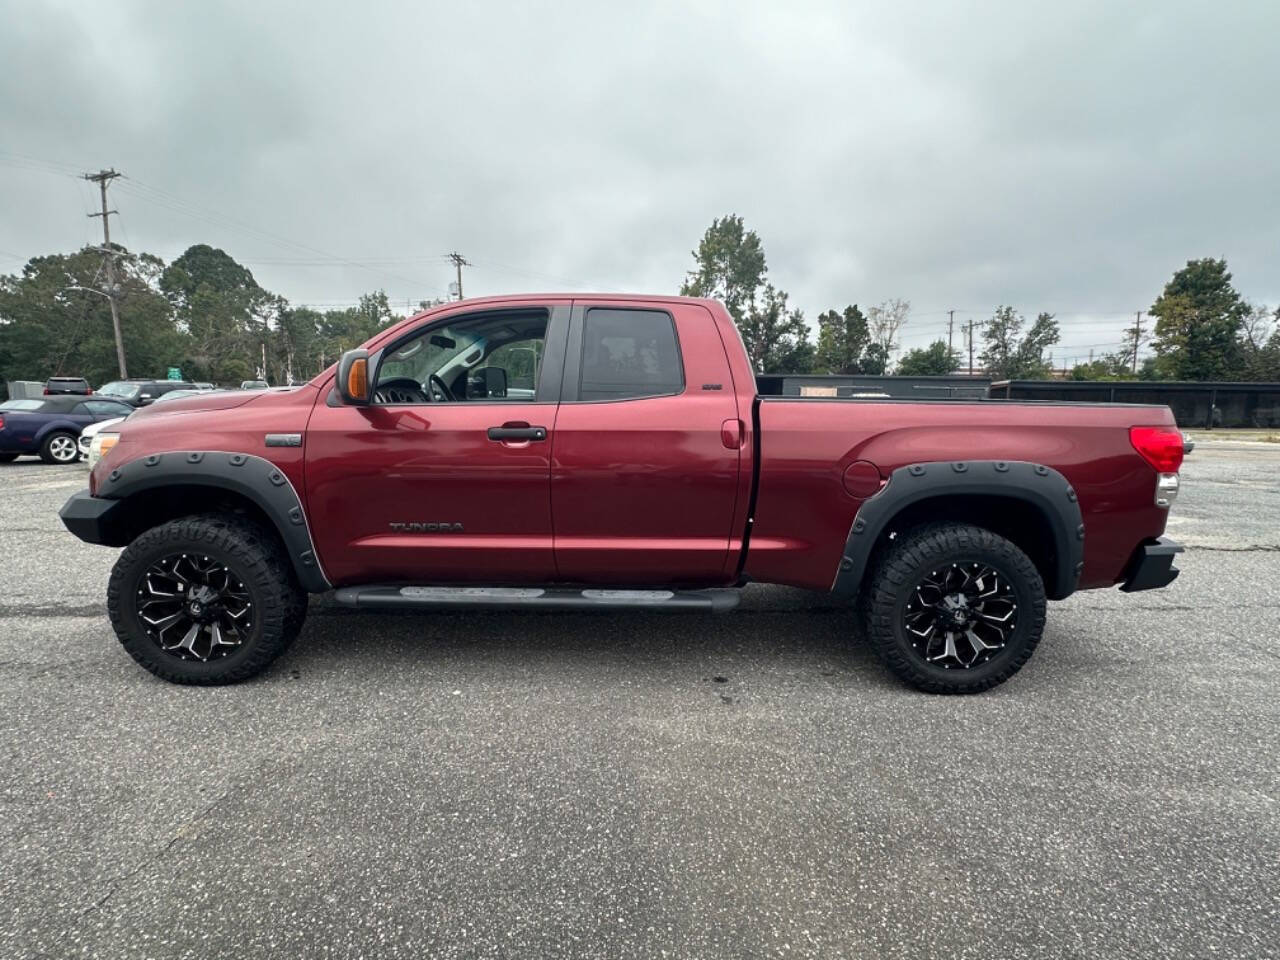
(1151, 566)
(89, 518)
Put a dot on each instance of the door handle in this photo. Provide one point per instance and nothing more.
(517, 433)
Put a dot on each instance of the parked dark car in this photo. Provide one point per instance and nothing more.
(56, 386)
(50, 426)
(139, 393)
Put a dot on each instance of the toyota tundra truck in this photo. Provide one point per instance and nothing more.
(573, 452)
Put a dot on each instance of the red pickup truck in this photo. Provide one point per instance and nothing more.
(612, 452)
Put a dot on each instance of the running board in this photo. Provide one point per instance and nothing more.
(535, 598)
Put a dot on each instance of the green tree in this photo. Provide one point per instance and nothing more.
(222, 309)
(341, 330)
(875, 362)
(1009, 355)
(1199, 317)
(842, 339)
(931, 361)
(730, 267)
(1260, 344)
(52, 323)
(1112, 366)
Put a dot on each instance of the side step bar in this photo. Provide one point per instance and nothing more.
(535, 598)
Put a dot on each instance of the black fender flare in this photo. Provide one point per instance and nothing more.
(258, 480)
(1043, 487)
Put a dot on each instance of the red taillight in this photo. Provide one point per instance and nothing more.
(89, 392)
(1, 423)
(46, 391)
(1160, 446)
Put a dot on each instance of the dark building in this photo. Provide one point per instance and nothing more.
(1194, 404)
(850, 385)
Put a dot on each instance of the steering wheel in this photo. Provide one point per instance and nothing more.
(439, 389)
(400, 390)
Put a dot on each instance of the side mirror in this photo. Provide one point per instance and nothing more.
(145, 398)
(353, 378)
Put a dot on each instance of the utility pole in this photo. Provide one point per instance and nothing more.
(1137, 339)
(970, 335)
(102, 178)
(459, 261)
(951, 316)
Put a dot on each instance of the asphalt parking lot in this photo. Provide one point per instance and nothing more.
(503, 785)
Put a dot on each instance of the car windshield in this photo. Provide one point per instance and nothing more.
(119, 388)
(22, 405)
(179, 394)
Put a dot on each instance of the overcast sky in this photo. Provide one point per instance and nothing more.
(1064, 157)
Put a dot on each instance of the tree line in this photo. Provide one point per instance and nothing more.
(1204, 329)
(206, 314)
(203, 313)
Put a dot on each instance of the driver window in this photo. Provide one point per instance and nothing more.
(492, 358)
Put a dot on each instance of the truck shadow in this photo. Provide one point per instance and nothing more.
(798, 632)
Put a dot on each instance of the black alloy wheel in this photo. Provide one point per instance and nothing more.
(961, 615)
(194, 608)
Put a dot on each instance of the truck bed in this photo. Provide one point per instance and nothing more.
(807, 445)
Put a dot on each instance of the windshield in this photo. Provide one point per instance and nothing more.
(119, 388)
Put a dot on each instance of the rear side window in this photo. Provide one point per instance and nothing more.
(628, 354)
(25, 406)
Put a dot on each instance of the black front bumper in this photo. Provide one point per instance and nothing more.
(1152, 566)
(89, 518)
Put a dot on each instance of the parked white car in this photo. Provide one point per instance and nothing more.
(88, 449)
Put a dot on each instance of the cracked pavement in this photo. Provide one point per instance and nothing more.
(634, 785)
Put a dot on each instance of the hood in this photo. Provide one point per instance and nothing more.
(220, 400)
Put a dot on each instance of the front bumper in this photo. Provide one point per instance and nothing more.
(89, 518)
(1151, 566)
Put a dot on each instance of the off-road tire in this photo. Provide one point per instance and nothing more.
(56, 441)
(902, 565)
(256, 557)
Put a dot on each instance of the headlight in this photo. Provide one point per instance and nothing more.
(98, 447)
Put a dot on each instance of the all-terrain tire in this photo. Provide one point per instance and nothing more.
(907, 561)
(256, 558)
(60, 446)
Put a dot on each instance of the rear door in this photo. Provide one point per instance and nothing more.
(645, 457)
(446, 476)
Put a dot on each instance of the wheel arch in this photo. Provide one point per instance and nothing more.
(1030, 504)
(56, 426)
(152, 490)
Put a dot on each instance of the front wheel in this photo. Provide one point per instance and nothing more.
(954, 608)
(205, 600)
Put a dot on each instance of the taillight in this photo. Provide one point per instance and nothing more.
(1, 423)
(46, 391)
(1159, 446)
(89, 392)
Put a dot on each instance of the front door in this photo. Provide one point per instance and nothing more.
(445, 477)
(645, 458)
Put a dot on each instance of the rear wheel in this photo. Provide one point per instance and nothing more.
(954, 608)
(205, 600)
(60, 447)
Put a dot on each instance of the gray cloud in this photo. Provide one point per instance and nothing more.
(1065, 157)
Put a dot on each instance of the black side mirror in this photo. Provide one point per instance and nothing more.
(487, 382)
(353, 378)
